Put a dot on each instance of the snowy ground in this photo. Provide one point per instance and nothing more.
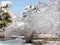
(22, 42)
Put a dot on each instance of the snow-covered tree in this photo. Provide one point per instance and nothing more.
(4, 16)
(15, 27)
(46, 20)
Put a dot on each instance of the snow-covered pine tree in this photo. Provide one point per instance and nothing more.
(4, 16)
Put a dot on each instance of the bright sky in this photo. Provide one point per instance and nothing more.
(19, 5)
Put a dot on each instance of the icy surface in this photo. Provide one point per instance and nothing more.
(21, 42)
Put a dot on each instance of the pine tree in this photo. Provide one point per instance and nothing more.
(4, 17)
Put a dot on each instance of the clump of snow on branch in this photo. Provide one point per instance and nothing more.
(6, 3)
(29, 7)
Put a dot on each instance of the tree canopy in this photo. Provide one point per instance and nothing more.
(4, 14)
